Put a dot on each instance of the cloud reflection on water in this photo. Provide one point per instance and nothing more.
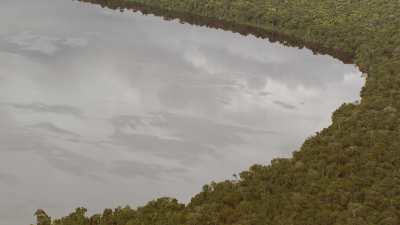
(100, 108)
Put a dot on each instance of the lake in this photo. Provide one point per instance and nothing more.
(101, 108)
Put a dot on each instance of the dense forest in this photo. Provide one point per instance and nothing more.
(348, 173)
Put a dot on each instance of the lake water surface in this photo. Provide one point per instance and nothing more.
(100, 108)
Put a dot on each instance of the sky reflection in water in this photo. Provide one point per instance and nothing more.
(100, 108)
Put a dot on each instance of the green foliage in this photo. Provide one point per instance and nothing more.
(163, 211)
(42, 218)
(347, 174)
(75, 218)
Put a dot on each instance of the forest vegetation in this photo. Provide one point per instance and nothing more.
(346, 174)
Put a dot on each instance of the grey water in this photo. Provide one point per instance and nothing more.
(100, 108)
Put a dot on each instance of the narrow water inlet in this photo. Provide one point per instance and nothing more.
(103, 105)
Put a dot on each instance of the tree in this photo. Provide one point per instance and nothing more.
(42, 218)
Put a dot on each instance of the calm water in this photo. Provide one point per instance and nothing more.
(100, 108)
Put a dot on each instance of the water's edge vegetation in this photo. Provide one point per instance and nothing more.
(347, 174)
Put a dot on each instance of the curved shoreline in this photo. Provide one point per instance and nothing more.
(349, 173)
(243, 29)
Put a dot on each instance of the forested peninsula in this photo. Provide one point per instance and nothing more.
(348, 173)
